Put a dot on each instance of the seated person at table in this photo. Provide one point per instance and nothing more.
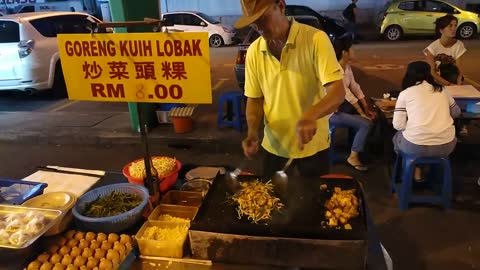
(424, 116)
(355, 103)
(447, 50)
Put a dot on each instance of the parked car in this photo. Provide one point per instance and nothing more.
(329, 25)
(50, 6)
(253, 35)
(185, 21)
(417, 17)
(29, 49)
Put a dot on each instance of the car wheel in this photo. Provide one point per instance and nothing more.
(59, 87)
(216, 41)
(393, 33)
(466, 30)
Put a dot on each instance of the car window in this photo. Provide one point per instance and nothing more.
(77, 24)
(208, 18)
(174, 18)
(25, 9)
(310, 21)
(409, 6)
(9, 32)
(434, 6)
(189, 19)
(304, 11)
(44, 26)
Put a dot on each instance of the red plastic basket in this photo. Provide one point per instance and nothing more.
(168, 180)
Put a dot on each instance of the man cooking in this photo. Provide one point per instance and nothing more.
(293, 80)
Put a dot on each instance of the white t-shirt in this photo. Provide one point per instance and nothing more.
(424, 115)
(442, 54)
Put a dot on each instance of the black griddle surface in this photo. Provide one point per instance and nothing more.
(301, 217)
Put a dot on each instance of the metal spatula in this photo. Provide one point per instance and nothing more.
(280, 178)
(231, 177)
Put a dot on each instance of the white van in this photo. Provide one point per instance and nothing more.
(191, 21)
(50, 6)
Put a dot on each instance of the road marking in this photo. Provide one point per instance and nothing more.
(56, 109)
(218, 84)
(385, 67)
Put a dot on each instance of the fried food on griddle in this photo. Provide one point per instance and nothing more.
(323, 187)
(341, 207)
(256, 201)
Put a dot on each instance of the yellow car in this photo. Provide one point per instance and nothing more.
(417, 17)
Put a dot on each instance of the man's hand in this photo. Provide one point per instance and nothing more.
(305, 129)
(366, 116)
(372, 114)
(250, 146)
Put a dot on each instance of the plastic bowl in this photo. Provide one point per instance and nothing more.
(116, 223)
(197, 185)
(55, 200)
(165, 185)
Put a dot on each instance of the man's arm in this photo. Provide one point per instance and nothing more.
(329, 104)
(254, 115)
(307, 125)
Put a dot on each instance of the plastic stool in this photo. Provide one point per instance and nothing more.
(406, 164)
(238, 118)
(334, 157)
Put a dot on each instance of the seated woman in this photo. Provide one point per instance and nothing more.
(354, 96)
(447, 50)
(424, 116)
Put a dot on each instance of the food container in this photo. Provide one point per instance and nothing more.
(197, 185)
(162, 248)
(63, 201)
(51, 215)
(186, 198)
(166, 182)
(179, 211)
(18, 191)
(115, 223)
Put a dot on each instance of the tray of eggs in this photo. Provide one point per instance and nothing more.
(77, 250)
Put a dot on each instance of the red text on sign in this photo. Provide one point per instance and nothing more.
(179, 48)
(108, 90)
(175, 91)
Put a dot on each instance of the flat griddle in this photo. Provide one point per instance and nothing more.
(301, 217)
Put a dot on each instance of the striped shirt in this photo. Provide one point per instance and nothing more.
(424, 115)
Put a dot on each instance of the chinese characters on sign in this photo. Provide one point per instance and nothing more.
(138, 67)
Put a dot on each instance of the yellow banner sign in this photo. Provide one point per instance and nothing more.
(137, 67)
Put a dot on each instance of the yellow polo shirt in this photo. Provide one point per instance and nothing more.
(291, 86)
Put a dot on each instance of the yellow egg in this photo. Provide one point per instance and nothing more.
(72, 243)
(125, 239)
(83, 244)
(64, 250)
(71, 267)
(43, 257)
(34, 265)
(87, 252)
(113, 237)
(75, 252)
(53, 249)
(106, 245)
(58, 266)
(90, 236)
(95, 244)
(66, 260)
(99, 253)
(101, 237)
(46, 266)
(120, 248)
(62, 241)
(105, 264)
(92, 262)
(79, 236)
(79, 261)
(56, 258)
(70, 234)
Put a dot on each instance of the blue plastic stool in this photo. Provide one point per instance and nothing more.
(406, 164)
(333, 156)
(238, 118)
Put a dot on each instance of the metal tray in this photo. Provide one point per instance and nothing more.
(51, 215)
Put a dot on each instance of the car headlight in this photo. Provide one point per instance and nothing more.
(227, 30)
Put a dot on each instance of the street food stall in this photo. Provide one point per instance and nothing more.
(203, 228)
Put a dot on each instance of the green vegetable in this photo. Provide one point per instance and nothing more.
(114, 204)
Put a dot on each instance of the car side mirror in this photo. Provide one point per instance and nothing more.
(203, 24)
